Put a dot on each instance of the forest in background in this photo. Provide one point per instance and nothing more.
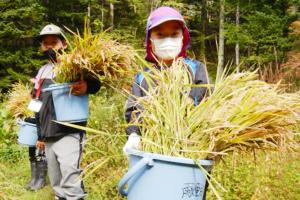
(257, 34)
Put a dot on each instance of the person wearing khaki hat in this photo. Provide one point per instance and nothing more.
(63, 145)
(38, 164)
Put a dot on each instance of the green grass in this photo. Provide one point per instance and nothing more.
(269, 176)
(274, 176)
(15, 173)
(14, 177)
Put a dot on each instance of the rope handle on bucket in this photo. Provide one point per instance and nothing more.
(141, 165)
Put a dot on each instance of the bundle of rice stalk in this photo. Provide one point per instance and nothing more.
(18, 100)
(242, 113)
(97, 54)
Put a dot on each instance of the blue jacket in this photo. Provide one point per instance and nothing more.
(199, 74)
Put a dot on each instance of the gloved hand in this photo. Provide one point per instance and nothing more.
(133, 143)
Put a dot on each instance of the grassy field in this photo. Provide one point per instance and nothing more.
(272, 176)
(258, 176)
(268, 176)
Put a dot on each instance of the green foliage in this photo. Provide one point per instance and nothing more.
(10, 151)
(106, 110)
(263, 30)
(7, 124)
(20, 21)
(265, 176)
(104, 154)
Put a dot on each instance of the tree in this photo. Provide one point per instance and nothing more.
(20, 22)
(111, 15)
(254, 32)
(203, 29)
(221, 39)
(237, 45)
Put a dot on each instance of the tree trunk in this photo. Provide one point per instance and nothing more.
(102, 14)
(112, 15)
(88, 20)
(72, 18)
(294, 9)
(237, 45)
(203, 30)
(221, 40)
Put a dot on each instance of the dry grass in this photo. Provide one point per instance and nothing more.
(18, 100)
(97, 54)
(295, 28)
(242, 113)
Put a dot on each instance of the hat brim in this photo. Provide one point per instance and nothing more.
(165, 20)
(40, 38)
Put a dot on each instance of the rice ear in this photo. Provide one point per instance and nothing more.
(18, 100)
(241, 113)
(97, 54)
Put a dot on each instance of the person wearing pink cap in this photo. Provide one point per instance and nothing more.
(167, 38)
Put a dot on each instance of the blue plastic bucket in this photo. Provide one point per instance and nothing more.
(68, 107)
(27, 133)
(154, 176)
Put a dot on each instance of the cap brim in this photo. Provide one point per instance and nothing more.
(39, 38)
(165, 20)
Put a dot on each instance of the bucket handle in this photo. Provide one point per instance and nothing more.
(20, 122)
(56, 88)
(135, 169)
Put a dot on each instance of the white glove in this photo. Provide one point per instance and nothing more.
(133, 143)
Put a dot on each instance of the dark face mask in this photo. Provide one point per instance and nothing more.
(51, 54)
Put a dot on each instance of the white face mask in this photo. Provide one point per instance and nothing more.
(167, 48)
